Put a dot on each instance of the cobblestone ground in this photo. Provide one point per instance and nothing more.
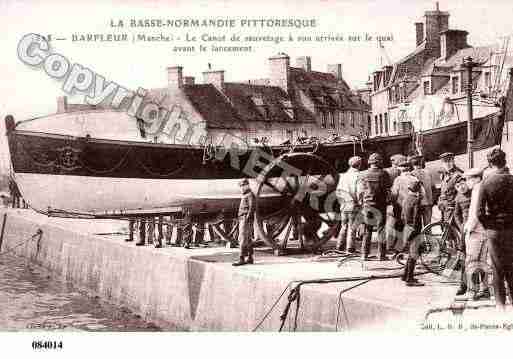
(31, 298)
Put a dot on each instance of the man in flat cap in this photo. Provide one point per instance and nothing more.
(476, 245)
(373, 193)
(495, 212)
(349, 206)
(461, 212)
(450, 175)
(400, 190)
(393, 213)
(246, 217)
(410, 216)
(426, 207)
(394, 170)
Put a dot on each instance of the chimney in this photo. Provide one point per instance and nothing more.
(279, 70)
(451, 41)
(174, 77)
(419, 33)
(304, 62)
(436, 22)
(62, 104)
(335, 70)
(188, 80)
(215, 78)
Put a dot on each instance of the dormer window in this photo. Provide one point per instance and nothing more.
(258, 101)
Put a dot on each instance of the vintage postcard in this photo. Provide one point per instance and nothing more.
(240, 166)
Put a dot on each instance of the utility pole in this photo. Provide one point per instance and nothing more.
(469, 64)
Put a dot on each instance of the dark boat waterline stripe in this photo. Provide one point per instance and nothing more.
(33, 152)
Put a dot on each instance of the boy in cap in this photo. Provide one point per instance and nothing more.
(393, 212)
(426, 207)
(246, 217)
(475, 239)
(448, 178)
(495, 212)
(400, 190)
(349, 205)
(461, 211)
(410, 215)
(373, 193)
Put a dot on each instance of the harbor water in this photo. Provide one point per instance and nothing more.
(32, 298)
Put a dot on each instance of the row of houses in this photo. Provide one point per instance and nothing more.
(293, 102)
(297, 101)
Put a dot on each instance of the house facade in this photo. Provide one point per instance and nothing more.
(427, 88)
(293, 102)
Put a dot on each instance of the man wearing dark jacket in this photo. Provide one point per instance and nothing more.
(495, 212)
(461, 211)
(246, 219)
(448, 178)
(393, 225)
(411, 217)
(373, 193)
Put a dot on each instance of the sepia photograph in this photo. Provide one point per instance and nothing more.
(238, 167)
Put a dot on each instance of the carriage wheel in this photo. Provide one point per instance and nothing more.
(295, 200)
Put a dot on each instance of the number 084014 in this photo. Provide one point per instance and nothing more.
(46, 345)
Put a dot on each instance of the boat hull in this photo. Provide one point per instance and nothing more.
(119, 197)
(81, 175)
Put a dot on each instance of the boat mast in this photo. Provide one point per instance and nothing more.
(469, 64)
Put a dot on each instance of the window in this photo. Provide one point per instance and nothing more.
(341, 119)
(323, 119)
(426, 87)
(386, 122)
(369, 124)
(380, 123)
(455, 83)
(352, 119)
(395, 126)
(376, 125)
(332, 119)
(488, 80)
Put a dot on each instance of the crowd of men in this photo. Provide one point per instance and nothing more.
(394, 202)
(397, 203)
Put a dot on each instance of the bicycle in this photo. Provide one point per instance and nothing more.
(439, 244)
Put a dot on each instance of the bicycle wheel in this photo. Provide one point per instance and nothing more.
(438, 245)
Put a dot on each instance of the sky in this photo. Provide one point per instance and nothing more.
(28, 92)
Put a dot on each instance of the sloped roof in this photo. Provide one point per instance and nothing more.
(241, 97)
(479, 54)
(402, 70)
(213, 106)
(311, 78)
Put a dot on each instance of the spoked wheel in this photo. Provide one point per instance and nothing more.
(296, 200)
(438, 245)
